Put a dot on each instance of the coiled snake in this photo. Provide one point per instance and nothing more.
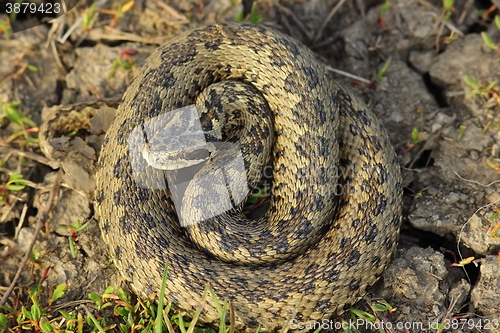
(335, 179)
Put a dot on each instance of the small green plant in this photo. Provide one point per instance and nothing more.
(124, 61)
(382, 306)
(448, 8)
(18, 69)
(478, 89)
(74, 321)
(359, 314)
(34, 316)
(420, 193)
(161, 299)
(494, 231)
(58, 293)
(89, 17)
(4, 320)
(253, 17)
(261, 193)
(378, 306)
(493, 163)
(461, 132)
(113, 311)
(383, 10)
(446, 12)
(417, 136)
(15, 183)
(380, 75)
(451, 38)
(35, 255)
(256, 199)
(493, 216)
(31, 68)
(488, 41)
(100, 302)
(5, 27)
(73, 238)
(438, 326)
(489, 125)
(9, 110)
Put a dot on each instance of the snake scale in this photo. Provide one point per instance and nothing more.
(335, 178)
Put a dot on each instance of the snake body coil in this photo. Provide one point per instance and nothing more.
(335, 178)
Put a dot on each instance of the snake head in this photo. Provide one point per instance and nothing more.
(175, 140)
(162, 157)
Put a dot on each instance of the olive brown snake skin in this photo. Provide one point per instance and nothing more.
(335, 209)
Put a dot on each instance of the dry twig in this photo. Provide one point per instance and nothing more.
(329, 17)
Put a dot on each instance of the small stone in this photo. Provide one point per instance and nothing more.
(442, 118)
(432, 191)
(452, 198)
(436, 127)
(25, 238)
(495, 150)
(422, 61)
(485, 295)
